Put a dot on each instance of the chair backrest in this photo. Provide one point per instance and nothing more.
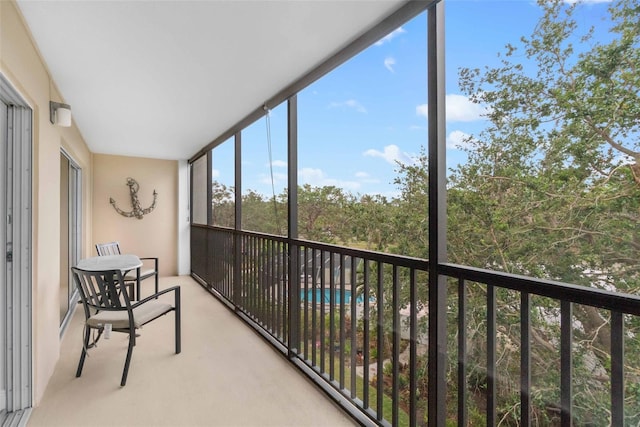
(101, 290)
(111, 248)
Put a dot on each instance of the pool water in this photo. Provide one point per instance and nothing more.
(325, 295)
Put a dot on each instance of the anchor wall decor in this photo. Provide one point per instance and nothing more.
(137, 211)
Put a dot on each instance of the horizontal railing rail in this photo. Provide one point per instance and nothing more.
(616, 304)
(357, 321)
(608, 300)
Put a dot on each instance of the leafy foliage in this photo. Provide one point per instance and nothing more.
(551, 189)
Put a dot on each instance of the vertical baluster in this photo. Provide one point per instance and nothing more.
(270, 300)
(566, 368)
(256, 281)
(305, 299)
(252, 266)
(491, 356)
(413, 342)
(314, 313)
(395, 358)
(274, 300)
(263, 253)
(354, 335)
(617, 368)
(278, 300)
(332, 317)
(322, 312)
(266, 257)
(283, 267)
(342, 320)
(525, 360)
(380, 346)
(462, 353)
(366, 340)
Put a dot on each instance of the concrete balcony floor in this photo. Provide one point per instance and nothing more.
(226, 375)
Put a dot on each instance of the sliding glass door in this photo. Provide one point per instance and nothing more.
(69, 234)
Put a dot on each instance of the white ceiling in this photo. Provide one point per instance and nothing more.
(161, 79)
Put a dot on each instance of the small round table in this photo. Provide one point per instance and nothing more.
(124, 263)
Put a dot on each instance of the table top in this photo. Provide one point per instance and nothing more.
(110, 262)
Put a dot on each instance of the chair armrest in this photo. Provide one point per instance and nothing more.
(156, 295)
(155, 261)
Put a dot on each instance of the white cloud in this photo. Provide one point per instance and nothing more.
(310, 175)
(277, 178)
(317, 178)
(391, 154)
(459, 109)
(350, 103)
(389, 63)
(456, 140)
(390, 36)
(279, 163)
(215, 173)
(366, 178)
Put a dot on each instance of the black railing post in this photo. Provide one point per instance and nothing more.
(293, 283)
(238, 240)
(437, 215)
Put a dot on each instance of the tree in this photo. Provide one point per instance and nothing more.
(260, 214)
(564, 138)
(551, 188)
(222, 204)
(370, 219)
(321, 212)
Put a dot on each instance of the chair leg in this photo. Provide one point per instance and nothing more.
(87, 335)
(177, 316)
(127, 362)
(138, 284)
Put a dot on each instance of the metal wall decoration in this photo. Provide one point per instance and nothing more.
(137, 210)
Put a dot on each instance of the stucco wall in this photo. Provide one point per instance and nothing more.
(156, 234)
(103, 177)
(23, 67)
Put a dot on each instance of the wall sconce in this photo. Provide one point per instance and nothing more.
(60, 114)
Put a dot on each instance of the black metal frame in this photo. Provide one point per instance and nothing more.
(267, 280)
(263, 277)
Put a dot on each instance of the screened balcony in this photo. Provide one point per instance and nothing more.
(526, 330)
(502, 290)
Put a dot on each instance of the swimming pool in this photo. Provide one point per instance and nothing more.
(325, 295)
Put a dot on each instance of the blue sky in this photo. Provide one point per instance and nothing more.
(358, 121)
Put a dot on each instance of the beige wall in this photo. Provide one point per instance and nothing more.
(21, 64)
(156, 234)
(102, 177)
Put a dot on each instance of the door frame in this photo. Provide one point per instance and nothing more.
(74, 232)
(17, 306)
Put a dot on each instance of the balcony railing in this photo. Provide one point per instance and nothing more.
(357, 323)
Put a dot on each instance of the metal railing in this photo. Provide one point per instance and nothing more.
(357, 323)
